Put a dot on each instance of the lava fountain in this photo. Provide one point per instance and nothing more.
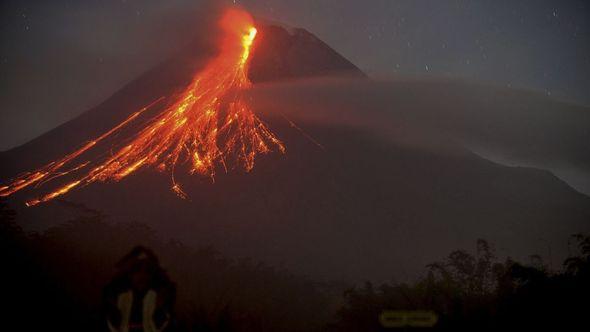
(207, 125)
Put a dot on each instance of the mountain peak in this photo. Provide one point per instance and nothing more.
(290, 53)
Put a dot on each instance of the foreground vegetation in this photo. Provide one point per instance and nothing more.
(54, 281)
(476, 292)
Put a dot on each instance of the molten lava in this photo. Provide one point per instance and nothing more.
(209, 124)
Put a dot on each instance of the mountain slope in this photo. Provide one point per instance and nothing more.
(363, 205)
(281, 54)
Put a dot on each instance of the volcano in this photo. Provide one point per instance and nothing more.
(344, 201)
(208, 123)
(284, 53)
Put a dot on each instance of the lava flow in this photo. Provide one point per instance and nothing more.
(209, 124)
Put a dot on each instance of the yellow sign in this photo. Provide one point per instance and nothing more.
(408, 318)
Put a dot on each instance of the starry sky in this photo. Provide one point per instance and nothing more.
(61, 57)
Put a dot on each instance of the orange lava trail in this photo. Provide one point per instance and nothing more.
(210, 123)
(52, 170)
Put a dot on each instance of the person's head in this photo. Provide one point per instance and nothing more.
(141, 269)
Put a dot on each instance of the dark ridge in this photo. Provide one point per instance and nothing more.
(280, 55)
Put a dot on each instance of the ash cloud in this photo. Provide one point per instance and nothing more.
(508, 126)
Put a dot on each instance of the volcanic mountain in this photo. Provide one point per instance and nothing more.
(377, 179)
(295, 53)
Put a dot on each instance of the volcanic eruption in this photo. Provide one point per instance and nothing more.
(208, 124)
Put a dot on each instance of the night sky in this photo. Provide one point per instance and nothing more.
(58, 58)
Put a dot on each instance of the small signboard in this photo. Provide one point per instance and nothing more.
(408, 318)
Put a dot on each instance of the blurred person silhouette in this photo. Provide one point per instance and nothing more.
(141, 296)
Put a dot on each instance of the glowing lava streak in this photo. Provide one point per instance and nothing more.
(210, 123)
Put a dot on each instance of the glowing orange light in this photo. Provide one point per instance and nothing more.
(247, 43)
(209, 123)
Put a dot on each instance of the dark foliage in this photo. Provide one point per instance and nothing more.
(33, 298)
(476, 292)
(55, 280)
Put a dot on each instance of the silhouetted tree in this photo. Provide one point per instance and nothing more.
(476, 292)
